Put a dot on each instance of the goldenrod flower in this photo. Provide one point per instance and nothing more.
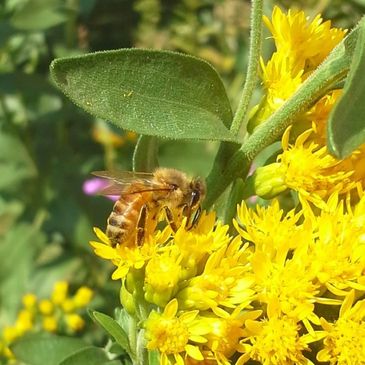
(301, 46)
(275, 341)
(60, 291)
(124, 257)
(68, 305)
(10, 333)
(337, 252)
(309, 41)
(29, 301)
(195, 245)
(270, 229)
(282, 76)
(74, 322)
(344, 341)
(309, 169)
(227, 329)
(45, 306)
(82, 297)
(49, 323)
(281, 271)
(162, 274)
(24, 321)
(226, 280)
(175, 334)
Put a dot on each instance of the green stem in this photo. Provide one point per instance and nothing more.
(317, 85)
(70, 26)
(253, 64)
(132, 337)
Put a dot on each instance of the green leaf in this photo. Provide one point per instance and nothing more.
(18, 251)
(156, 93)
(38, 14)
(346, 124)
(15, 163)
(45, 349)
(145, 154)
(113, 328)
(86, 356)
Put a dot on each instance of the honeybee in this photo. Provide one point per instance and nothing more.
(144, 196)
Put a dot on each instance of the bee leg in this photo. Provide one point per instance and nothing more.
(141, 224)
(170, 219)
(195, 218)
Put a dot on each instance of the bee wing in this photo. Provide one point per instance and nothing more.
(120, 181)
(124, 176)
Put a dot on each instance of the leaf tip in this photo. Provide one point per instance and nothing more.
(58, 76)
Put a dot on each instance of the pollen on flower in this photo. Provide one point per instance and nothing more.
(344, 342)
(174, 334)
(309, 169)
(310, 41)
(169, 336)
(126, 258)
(275, 341)
(226, 280)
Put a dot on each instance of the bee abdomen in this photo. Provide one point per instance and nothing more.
(123, 220)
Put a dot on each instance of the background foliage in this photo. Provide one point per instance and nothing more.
(48, 146)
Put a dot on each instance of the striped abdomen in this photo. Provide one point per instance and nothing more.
(123, 220)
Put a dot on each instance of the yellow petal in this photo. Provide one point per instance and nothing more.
(194, 352)
(171, 309)
(120, 272)
(101, 235)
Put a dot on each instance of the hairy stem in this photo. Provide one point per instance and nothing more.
(253, 63)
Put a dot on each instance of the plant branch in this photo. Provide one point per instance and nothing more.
(253, 63)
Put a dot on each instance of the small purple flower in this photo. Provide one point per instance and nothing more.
(95, 185)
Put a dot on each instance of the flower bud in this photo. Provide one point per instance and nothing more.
(162, 276)
(267, 182)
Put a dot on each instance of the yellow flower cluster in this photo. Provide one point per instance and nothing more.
(285, 281)
(58, 314)
(304, 165)
(195, 287)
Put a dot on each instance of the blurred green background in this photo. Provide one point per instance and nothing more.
(48, 146)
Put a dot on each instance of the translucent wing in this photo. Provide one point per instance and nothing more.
(124, 176)
(128, 182)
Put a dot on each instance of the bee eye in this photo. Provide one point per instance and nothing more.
(174, 186)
